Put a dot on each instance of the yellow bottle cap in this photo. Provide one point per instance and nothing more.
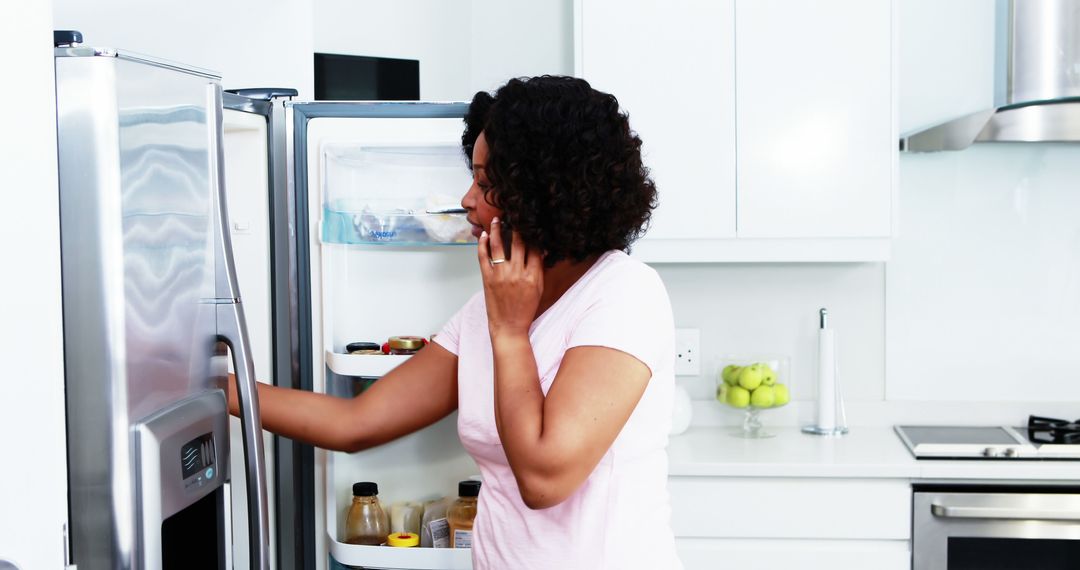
(403, 539)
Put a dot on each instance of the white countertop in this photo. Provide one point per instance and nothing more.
(865, 452)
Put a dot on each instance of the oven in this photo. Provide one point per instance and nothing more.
(974, 527)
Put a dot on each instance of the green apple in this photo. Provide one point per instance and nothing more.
(730, 374)
(722, 392)
(762, 397)
(768, 377)
(780, 395)
(738, 397)
(750, 376)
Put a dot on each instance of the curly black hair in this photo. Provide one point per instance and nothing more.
(564, 166)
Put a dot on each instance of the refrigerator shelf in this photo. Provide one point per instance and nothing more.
(386, 557)
(364, 365)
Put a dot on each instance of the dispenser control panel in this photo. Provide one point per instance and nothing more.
(197, 461)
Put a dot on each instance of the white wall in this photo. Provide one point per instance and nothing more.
(33, 484)
(252, 44)
(463, 45)
(435, 32)
(513, 38)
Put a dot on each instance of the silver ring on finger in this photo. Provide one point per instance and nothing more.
(497, 261)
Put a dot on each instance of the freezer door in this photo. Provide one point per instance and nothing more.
(137, 253)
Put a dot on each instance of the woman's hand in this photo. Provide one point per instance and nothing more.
(512, 287)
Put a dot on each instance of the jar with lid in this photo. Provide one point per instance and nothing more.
(366, 522)
(461, 514)
(405, 345)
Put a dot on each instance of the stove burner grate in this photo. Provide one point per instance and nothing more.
(1051, 430)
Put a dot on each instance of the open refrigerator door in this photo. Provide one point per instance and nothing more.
(374, 182)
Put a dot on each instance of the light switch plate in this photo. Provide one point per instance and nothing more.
(687, 352)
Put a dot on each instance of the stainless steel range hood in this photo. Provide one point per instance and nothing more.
(1037, 82)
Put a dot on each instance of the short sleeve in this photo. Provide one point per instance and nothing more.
(631, 313)
(449, 337)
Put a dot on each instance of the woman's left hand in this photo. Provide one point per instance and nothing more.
(512, 287)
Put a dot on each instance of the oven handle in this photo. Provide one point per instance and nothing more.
(959, 512)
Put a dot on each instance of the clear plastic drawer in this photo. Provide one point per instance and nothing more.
(394, 194)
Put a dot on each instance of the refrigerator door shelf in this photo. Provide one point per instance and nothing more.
(395, 183)
(400, 558)
(367, 226)
(365, 365)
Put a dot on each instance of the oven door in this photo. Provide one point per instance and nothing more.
(982, 530)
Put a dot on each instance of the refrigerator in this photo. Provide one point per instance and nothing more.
(152, 315)
(363, 243)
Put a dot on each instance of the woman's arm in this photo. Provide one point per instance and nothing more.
(418, 393)
(554, 443)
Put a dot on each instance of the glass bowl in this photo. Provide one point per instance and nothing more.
(753, 384)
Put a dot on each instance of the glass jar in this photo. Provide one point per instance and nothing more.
(366, 522)
(406, 344)
(461, 514)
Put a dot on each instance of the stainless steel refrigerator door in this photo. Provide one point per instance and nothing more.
(138, 259)
(138, 144)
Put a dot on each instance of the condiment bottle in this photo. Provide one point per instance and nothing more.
(403, 539)
(460, 515)
(434, 530)
(366, 522)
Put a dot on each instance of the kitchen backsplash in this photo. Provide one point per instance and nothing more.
(773, 309)
(983, 287)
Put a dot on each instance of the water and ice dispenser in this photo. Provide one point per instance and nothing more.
(182, 458)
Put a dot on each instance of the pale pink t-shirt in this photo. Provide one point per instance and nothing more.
(620, 517)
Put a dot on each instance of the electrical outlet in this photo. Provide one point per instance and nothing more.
(687, 352)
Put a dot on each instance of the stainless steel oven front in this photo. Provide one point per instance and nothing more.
(973, 527)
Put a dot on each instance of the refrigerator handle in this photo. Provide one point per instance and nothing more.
(232, 330)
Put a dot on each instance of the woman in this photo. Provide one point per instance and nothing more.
(562, 368)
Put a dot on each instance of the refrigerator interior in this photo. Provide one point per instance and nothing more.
(381, 267)
(246, 184)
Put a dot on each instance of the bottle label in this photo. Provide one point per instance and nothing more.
(462, 539)
(440, 533)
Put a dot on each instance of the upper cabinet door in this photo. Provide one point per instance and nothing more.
(816, 136)
(671, 65)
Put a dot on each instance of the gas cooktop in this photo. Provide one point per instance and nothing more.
(1043, 438)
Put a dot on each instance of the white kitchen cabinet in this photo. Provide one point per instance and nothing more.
(766, 554)
(768, 124)
(671, 63)
(791, 522)
(816, 143)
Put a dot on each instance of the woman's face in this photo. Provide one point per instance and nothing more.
(478, 211)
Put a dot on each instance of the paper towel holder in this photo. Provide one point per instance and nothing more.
(828, 373)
